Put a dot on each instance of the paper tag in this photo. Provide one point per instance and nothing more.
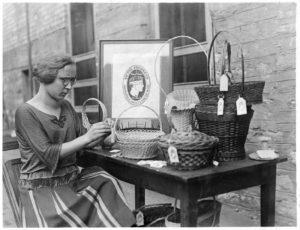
(220, 106)
(241, 106)
(173, 156)
(139, 219)
(216, 163)
(224, 83)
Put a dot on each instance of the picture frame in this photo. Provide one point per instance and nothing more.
(135, 72)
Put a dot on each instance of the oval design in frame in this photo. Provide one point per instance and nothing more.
(136, 85)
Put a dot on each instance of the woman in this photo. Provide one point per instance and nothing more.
(53, 191)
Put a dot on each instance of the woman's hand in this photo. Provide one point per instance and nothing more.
(98, 132)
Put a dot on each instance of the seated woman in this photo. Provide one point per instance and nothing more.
(54, 191)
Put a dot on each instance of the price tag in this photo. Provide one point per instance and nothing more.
(139, 219)
(173, 156)
(224, 83)
(241, 106)
(220, 106)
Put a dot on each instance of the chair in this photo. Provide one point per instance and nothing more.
(11, 174)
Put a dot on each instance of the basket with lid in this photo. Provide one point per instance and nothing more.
(136, 142)
(188, 150)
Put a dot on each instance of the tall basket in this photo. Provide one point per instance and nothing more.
(138, 143)
(231, 129)
(251, 91)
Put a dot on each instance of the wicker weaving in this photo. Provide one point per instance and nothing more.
(194, 149)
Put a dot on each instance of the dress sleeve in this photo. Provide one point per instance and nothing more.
(30, 131)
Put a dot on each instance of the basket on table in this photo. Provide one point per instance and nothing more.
(230, 128)
(179, 104)
(251, 91)
(137, 143)
(194, 149)
(180, 107)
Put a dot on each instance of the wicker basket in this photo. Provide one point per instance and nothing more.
(85, 120)
(192, 154)
(231, 129)
(138, 143)
(153, 215)
(180, 107)
(208, 215)
(251, 91)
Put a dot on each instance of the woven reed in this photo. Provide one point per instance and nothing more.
(231, 129)
(208, 215)
(251, 91)
(190, 160)
(85, 120)
(138, 143)
(182, 119)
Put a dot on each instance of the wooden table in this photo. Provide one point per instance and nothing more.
(189, 186)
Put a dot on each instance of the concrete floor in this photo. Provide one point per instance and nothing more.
(229, 217)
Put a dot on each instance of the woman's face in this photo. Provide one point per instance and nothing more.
(63, 83)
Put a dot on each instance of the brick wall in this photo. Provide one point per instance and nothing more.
(48, 35)
(267, 32)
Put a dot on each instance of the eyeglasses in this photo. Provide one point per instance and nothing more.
(67, 80)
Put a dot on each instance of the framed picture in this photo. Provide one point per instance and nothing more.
(135, 72)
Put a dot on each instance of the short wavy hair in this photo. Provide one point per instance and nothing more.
(47, 69)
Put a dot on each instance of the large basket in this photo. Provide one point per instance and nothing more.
(192, 154)
(231, 129)
(251, 91)
(85, 120)
(138, 143)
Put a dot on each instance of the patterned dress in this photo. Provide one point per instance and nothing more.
(56, 192)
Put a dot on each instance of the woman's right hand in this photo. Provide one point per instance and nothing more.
(98, 131)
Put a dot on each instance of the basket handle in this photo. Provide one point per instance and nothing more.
(209, 55)
(115, 124)
(171, 39)
(85, 120)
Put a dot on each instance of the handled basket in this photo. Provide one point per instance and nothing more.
(85, 120)
(179, 104)
(251, 91)
(138, 143)
(231, 129)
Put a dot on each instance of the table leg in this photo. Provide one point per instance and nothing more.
(139, 196)
(188, 207)
(267, 199)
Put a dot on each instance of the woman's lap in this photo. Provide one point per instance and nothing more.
(95, 199)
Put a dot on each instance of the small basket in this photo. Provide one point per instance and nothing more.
(208, 215)
(138, 143)
(231, 129)
(85, 120)
(152, 215)
(192, 154)
(251, 91)
(180, 106)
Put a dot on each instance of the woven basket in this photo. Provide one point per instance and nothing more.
(152, 214)
(208, 215)
(179, 104)
(231, 129)
(192, 154)
(85, 120)
(138, 143)
(251, 91)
